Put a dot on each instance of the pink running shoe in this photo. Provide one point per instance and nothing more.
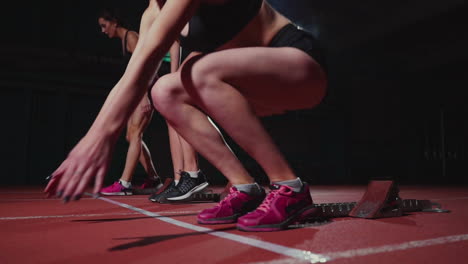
(235, 204)
(281, 207)
(116, 189)
(149, 186)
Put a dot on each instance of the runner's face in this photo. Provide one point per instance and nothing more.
(107, 27)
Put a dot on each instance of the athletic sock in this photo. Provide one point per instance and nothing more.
(249, 188)
(193, 174)
(125, 184)
(295, 184)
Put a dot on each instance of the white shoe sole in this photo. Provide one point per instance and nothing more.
(199, 188)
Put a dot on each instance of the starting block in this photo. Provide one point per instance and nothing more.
(380, 200)
(209, 196)
(205, 197)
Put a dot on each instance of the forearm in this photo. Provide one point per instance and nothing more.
(123, 99)
(142, 67)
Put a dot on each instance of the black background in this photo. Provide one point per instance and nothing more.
(396, 104)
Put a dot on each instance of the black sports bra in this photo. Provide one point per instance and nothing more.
(215, 24)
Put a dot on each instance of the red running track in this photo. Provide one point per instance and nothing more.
(131, 229)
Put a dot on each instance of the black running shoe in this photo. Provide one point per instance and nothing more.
(187, 187)
(168, 187)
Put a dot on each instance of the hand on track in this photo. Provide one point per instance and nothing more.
(88, 160)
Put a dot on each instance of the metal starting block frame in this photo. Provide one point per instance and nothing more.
(205, 197)
(380, 200)
(209, 196)
(332, 210)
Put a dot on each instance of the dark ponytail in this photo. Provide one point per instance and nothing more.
(114, 15)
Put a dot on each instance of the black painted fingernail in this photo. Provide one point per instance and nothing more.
(66, 199)
(76, 197)
(59, 194)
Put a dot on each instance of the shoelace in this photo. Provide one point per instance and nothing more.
(168, 189)
(232, 193)
(186, 184)
(181, 186)
(265, 206)
(118, 185)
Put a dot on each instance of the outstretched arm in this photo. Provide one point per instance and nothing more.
(150, 49)
(90, 157)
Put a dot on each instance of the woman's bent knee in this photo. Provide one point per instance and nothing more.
(166, 92)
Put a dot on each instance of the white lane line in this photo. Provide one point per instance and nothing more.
(275, 248)
(58, 216)
(55, 199)
(449, 199)
(32, 199)
(362, 252)
(397, 247)
(25, 192)
(87, 215)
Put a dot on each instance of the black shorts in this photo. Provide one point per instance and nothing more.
(291, 36)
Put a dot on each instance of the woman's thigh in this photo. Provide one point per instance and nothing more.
(272, 79)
